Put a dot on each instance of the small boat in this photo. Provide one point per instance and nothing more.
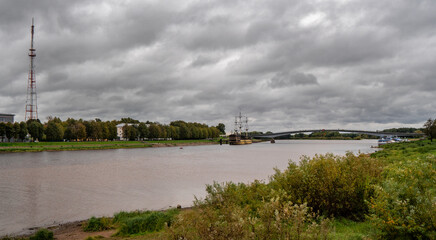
(386, 140)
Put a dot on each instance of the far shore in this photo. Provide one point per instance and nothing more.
(75, 146)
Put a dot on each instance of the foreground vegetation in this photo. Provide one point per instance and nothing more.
(390, 194)
(69, 146)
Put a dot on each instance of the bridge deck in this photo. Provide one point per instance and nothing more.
(373, 133)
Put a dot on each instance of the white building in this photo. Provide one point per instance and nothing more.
(120, 132)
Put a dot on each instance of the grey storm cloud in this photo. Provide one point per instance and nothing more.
(285, 79)
(286, 64)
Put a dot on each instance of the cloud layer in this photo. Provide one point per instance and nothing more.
(285, 64)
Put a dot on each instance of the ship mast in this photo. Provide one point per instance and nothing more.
(246, 126)
(240, 123)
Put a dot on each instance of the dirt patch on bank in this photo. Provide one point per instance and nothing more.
(73, 231)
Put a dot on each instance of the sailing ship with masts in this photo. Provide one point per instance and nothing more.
(238, 137)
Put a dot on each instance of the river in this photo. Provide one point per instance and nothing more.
(46, 188)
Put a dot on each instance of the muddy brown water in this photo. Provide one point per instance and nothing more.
(46, 188)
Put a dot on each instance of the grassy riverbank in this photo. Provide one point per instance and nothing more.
(390, 194)
(70, 146)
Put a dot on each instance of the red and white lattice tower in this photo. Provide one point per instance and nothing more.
(31, 106)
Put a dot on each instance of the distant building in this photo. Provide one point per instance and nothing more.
(120, 130)
(7, 117)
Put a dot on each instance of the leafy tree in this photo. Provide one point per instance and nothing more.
(75, 130)
(16, 130)
(9, 130)
(143, 130)
(430, 128)
(222, 128)
(2, 130)
(130, 132)
(128, 120)
(36, 129)
(23, 131)
(104, 130)
(155, 131)
(54, 131)
(174, 132)
(215, 132)
(112, 126)
(97, 131)
(185, 132)
(195, 133)
(80, 131)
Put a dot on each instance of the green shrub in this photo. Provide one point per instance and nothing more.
(404, 205)
(123, 216)
(97, 224)
(144, 222)
(250, 195)
(274, 219)
(42, 234)
(332, 185)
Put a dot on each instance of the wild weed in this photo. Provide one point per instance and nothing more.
(42, 234)
(97, 224)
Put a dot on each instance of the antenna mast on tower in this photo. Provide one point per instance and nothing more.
(31, 104)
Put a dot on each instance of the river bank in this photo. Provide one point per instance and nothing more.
(73, 146)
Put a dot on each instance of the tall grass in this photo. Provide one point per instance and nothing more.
(97, 224)
(140, 222)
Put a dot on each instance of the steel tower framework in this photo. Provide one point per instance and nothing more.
(31, 102)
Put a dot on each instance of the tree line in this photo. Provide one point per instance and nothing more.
(175, 130)
(97, 130)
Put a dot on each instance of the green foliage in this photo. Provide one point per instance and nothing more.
(139, 222)
(274, 219)
(2, 129)
(36, 129)
(347, 229)
(430, 128)
(155, 131)
(222, 128)
(23, 131)
(97, 224)
(143, 130)
(332, 185)
(128, 120)
(9, 130)
(54, 131)
(42, 234)
(404, 205)
(401, 130)
(130, 132)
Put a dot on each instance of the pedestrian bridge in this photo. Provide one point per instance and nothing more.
(373, 133)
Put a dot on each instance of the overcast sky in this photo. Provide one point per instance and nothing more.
(288, 64)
